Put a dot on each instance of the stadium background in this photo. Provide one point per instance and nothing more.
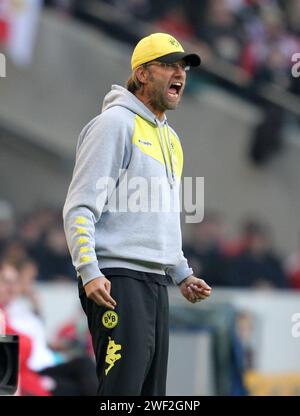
(239, 125)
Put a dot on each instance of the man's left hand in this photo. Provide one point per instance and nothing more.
(195, 289)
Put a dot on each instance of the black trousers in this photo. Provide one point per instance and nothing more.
(131, 343)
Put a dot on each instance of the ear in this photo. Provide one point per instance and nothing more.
(142, 74)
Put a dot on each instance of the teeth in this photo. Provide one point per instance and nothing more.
(177, 83)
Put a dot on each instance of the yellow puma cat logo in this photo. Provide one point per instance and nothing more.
(111, 356)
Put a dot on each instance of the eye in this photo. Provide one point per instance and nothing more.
(171, 66)
(181, 65)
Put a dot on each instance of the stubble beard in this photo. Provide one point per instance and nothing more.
(159, 102)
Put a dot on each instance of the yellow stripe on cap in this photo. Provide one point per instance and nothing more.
(154, 46)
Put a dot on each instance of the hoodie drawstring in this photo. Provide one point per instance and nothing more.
(170, 175)
(171, 153)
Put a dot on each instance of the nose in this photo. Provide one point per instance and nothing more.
(180, 76)
(180, 69)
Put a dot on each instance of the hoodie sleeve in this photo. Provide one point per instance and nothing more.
(180, 271)
(101, 153)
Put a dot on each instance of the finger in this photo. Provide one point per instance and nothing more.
(102, 302)
(202, 296)
(196, 288)
(204, 292)
(191, 296)
(101, 297)
(204, 285)
(198, 298)
(200, 289)
(107, 298)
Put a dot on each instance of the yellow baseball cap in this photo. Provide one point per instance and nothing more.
(161, 47)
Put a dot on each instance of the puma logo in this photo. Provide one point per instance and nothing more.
(145, 142)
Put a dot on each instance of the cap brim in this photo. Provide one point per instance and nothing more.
(191, 59)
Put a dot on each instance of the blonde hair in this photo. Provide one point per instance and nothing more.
(133, 84)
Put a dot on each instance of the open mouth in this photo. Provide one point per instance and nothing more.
(174, 89)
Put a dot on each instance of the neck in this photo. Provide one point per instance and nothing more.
(160, 114)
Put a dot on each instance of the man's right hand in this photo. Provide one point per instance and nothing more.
(98, 290)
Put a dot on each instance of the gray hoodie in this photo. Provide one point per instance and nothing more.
(122, 206)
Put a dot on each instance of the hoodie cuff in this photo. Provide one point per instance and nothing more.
(180, 272)
(89, 272)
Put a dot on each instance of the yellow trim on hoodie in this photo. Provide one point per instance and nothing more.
(146, 138)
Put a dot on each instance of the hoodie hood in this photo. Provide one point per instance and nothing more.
(120, 96)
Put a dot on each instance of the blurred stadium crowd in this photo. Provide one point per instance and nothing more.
(258, 36)
(245, 46)
(38, 251)
(36, 245)
(61, 367)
